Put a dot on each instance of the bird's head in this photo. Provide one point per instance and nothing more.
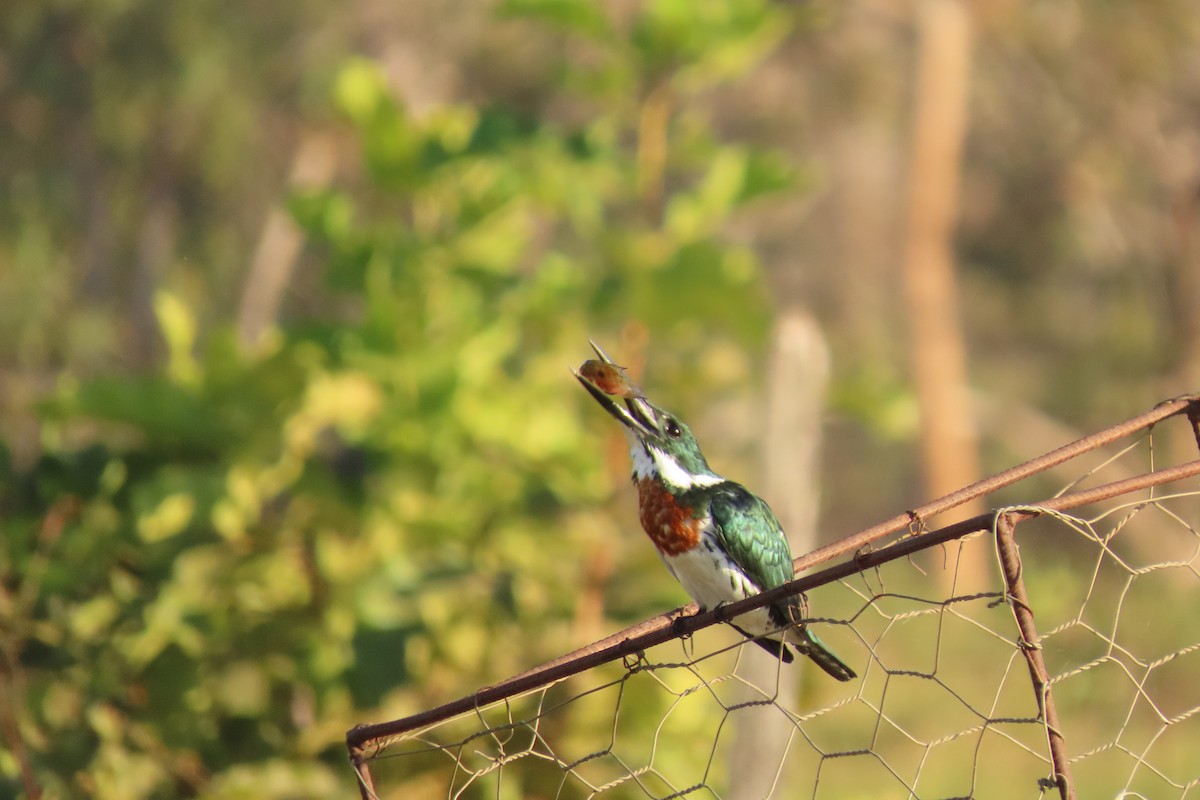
(661, 445)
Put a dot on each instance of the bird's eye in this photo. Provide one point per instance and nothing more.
(672, 428)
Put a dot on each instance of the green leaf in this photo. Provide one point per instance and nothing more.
(767, 172)
(360, 90)
(161, 410)
(323, 213)
(170, 517)
(178, 326)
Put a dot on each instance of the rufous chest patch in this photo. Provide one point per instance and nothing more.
(670, 525)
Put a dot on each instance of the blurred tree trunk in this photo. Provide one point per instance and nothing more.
(797, 380)
(280, 241)
(1184, 282)
(1186, 293)
(949, 438)
(865, 167)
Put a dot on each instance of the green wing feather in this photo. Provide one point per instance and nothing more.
(751, 535)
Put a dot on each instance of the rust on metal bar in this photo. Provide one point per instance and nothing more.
(1117, 488)
(1018, 601)
(1169, 408)
(366, 785)
(664, 627)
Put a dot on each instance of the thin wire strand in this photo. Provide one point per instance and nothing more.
(943, 707)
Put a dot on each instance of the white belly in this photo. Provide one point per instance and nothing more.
(712, 579)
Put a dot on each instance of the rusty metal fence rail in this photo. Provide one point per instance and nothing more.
(1071, 670)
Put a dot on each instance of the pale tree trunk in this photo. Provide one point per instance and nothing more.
(279, 243)
(797, 379)
(1185, 285)
(1187, 288)
(949, 438)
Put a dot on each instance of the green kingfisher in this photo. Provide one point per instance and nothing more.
(720, 541)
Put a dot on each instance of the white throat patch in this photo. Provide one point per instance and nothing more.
(649, 460)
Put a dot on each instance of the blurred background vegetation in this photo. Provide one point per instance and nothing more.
(288, 294)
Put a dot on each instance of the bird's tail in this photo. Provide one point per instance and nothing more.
(806, 643)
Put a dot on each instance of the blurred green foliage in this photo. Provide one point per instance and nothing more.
(219, 565)
(214, 559)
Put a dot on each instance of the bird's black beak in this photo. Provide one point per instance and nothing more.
(605, 381)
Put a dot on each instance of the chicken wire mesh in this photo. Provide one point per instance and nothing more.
(1069, 668)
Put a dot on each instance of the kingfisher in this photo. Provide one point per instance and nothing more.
(719, 540)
